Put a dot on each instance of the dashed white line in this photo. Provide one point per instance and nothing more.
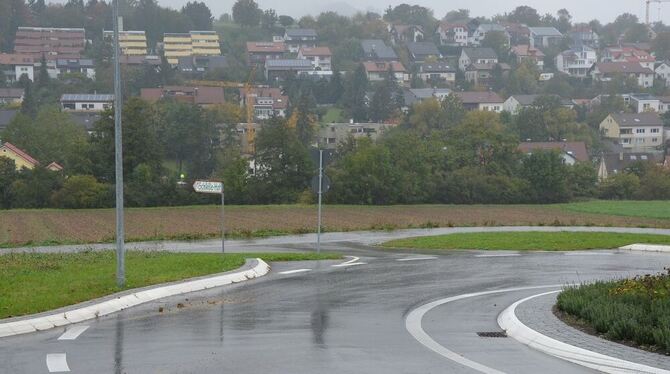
(588, 253)
(417, 258)
(57, 363)
(294, 271)
(500, 255)
(73, 332)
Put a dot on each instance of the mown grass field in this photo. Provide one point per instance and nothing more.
(633, 311)
(48, 226)
(528, 241)
(35, 282)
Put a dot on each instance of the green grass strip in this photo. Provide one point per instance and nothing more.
(641, 209)
(36, 282)
(527, 241)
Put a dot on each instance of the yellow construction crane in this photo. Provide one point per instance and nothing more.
(251, 132)
(647, 15)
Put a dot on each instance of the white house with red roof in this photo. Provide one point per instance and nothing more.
(320, 57)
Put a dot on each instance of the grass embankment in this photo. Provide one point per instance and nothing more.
(52, 226)
(35, 282)
(526, 241)
(633, 311)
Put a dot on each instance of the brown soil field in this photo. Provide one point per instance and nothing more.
(43, 227)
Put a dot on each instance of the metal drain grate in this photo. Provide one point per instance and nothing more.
(492, 334)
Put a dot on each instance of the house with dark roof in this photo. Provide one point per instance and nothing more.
(576, 61)
(613, 163)
(421, 51)
(83, 66)
(377, 50)
(86, 102)
(300, 38)
(571, 152)
(480, 32)
(280, 69)
(542, 37)
(406, 33)
(259, 52)
(266, 102)
(200, 95)
(636, 131)
(515, 103)
(453, 34)
(6, 116)
(525, 52)
(13, 66)
(11, 95)
(483, 74)
(584, 35)
(662, 70)
(476, 56)
(485, 101)
(377, 71)
(320, 57)
(605, 71)
(200, 65)
(415, 95)
(437, 72)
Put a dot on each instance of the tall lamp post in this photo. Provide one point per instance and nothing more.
(118, 102)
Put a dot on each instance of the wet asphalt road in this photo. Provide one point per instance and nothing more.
(330, 319)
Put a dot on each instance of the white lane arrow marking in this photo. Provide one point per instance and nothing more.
(499, 255)
(57, 363)
(417, 258)
(294, 271)
(73, 332)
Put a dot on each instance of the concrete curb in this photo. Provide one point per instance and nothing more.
(124, 301)
(647, 248)
(525, 335)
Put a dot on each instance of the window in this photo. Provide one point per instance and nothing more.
(625, 141)
(654, 140)
(640, 131)
(639, 140)
(654, 131)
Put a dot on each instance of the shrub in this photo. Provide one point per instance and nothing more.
(81, 191)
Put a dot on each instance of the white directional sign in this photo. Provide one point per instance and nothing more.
(208, 187)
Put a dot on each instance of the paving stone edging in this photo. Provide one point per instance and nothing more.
(516, 329)
(253, 269)
(647, 248)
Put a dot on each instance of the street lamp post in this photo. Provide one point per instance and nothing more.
(118, 102)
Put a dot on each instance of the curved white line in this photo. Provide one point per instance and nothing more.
(73, 332)
(525, 335)
(413, 325)
(417, 258)
(352, 260)
(57, 363)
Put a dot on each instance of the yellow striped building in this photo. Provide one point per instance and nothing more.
(194, 43)
(131, 43)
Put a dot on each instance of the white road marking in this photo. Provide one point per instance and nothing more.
(294, 271)
(57, 363)
(500, 255)
(417, 258)
(588, 253)
(509, 322)
(73, 332)
(413, 325)
(351, 262)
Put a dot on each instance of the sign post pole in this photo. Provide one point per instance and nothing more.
(214, 188)
(318, 229)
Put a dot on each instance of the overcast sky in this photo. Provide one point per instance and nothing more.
(581, 10)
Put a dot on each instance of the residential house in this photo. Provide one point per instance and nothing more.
(584, 35)
(434, 72)
(259, 52)
(476, 56)
(86, 102)
(193, 43)
(320, 57)
(422, 51)
(83, 66)
(453, 34)
(644, 102)
(634, 130)
(154, 61)
(483, 74)
(6, 116)
(414, 95)
(22, 159)
(577, 61)
(519, 33)
(571, 152)
(13, 66)
(131, 43)
(605, 71)
(332, 134)
(543, 37)
(406, 33)
(50, 43)
(266, 102)
(613, 163)
(527, 53)
(200, 95)
(377, 71)
(200, 65)
(377, 50)
(664, 104)
(480, 32)
(300, 38)
(662, 70)
(11, 95)
(515, 103)
(629, 54)
(484, 101)
(280, 69)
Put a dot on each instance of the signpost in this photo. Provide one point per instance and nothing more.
(215, 188)
(320, 185)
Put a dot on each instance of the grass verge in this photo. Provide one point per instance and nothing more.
(642, 209)
(632, 311)
(36, 282)
(525, 241)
